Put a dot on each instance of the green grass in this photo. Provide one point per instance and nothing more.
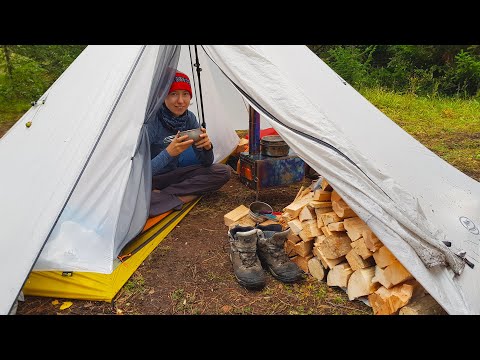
(10, 113)
(136, 284)
(448, 127)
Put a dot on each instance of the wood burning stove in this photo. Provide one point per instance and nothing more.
(258, 170)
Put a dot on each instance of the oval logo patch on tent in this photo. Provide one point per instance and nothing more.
(469, 225)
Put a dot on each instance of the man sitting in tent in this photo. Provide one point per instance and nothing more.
(181, 168)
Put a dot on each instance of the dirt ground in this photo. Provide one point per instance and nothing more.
(190, 272)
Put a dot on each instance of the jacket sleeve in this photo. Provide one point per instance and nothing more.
(204, 157)
(163, 158)
(160, 161)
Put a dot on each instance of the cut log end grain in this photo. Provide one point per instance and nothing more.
(360, 283)
(339, 275)
(316, 269)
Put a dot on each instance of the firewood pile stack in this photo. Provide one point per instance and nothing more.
(328, 241)
(331, 243)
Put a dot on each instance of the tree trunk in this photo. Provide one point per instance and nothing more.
(6, 51)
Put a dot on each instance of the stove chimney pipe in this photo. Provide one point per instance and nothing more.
(253, 132)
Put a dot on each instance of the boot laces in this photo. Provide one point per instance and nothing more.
(278, 253)
(248, 257)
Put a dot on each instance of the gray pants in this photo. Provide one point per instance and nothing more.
(188, 180)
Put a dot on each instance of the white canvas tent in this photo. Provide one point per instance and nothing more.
(74, 185)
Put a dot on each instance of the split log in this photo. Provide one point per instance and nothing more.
(319, 222)
(307, 213)
(319, 211)
(289, 247)
(319, 239)
(305, 192)
(361, 249)
(356, 262)
(360, 283)
(295, 226)
(330, 217)
(244, 221)
(320, 204)
(310, 228)
(321, 195)
(316, 268)
(418, 289)
(292, 237)
(383, 257)
(339, 275)
(334, 196)
(335, 245)
(302, 262)
(327, 263)
(295, 207)
(235, 215)
(354, 227)
(425, 305)
(396, 273)
(336, 226)
(325, 185)
(326, 231)
(242, 146)
(379, 277)
(388, 301)
(304, 248)
(371, 240)
(342, 209)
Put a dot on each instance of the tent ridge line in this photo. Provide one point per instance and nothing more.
(319, 141)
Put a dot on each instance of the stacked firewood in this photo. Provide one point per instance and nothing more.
(331, 243)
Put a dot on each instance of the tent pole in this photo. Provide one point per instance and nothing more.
(197, 65)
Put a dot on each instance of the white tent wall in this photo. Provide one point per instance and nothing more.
(445, 195)
(221, 104)
(41, 164)
(89, 235)
(271, 77)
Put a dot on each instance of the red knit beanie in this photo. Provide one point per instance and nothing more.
(181, 82)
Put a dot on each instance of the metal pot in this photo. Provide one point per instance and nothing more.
(260, 211)
(274, 145)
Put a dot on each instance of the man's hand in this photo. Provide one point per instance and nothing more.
(204, 142)
(179, 145)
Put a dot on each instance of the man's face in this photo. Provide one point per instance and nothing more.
(177, 102)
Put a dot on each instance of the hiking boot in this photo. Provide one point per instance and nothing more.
(243, 255)
(272, 254)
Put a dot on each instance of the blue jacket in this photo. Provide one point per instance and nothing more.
(162, 162)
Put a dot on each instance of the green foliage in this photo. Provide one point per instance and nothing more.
(53, 58)
(425, 70)
(29, 80)
(353, 64)
(34, 69)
